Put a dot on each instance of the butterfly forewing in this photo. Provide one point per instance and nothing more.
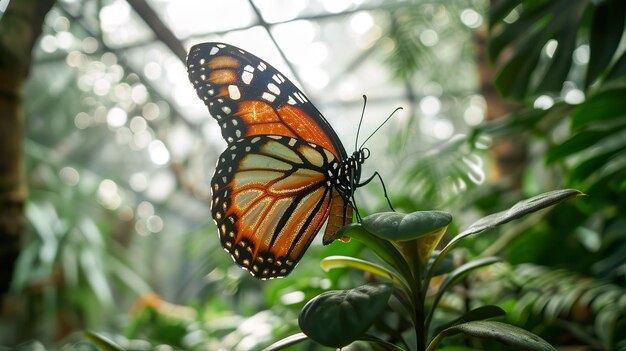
(270, 198)
(250, 97)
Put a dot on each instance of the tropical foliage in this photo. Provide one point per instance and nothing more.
(118, 251)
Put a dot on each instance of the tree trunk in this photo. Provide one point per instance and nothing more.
(20, 26)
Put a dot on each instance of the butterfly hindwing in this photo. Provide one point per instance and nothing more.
(271, 195)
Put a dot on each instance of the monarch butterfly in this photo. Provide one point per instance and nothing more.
(284, 171)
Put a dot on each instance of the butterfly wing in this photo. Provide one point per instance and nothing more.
(250, 97)
(266, 231)
(271, 196)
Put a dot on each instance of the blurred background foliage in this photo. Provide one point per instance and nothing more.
(503, 100)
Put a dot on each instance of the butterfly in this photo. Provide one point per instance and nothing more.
(284, 171)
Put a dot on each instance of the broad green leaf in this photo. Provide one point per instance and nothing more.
(559, 66)
(455, 276)
(508, 34)
(518, 210)
(520, 121)
(103, 343)
(513, 78)
(459, 273)
(579, 142)
(286, 342)
(396, 226)
(385, 344)
(446, 265)
(605, 33)
(602, 107)
(528, 70)
(589, 166)
(512, 336)
(426, 244)
(328, 263)
(477, 314)
(382, 248)
(337, 318)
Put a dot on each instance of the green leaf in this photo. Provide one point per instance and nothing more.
(446, 265)
(579, 142)
(561, 61)
(513, 78)
(520, 121)
(518, 210)
(523, 41)
(396, 226)
(331, 262)
(586, 168)
(618, 70)
(454, 277)
(500, 9)
(102, 342)
(602, 107)
(385, 344)
(605, 324)
(512, 336)
(477, 314)
(286, 342)
(522, 29)
(605, 33)
(339, 317)
(382, 248)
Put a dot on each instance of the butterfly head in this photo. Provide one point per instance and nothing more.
(361, 155)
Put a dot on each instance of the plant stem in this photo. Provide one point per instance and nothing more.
(420, 331)
(419, 296)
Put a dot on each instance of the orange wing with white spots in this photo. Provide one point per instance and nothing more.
(276, 183)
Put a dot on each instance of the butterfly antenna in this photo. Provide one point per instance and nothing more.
(356, 142)
(380, 126)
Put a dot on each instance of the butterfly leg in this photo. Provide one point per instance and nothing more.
(376, 174)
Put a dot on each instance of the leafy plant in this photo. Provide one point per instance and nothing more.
(405, 244)
(566, 300)
(546, 52)
(535, 45)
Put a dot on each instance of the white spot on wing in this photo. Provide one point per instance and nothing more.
(246, 77)
(278, 78)
(233, 92)
(273, 88)
(268, 97)
(300, 97)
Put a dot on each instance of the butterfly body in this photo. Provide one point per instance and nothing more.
(284, 172)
